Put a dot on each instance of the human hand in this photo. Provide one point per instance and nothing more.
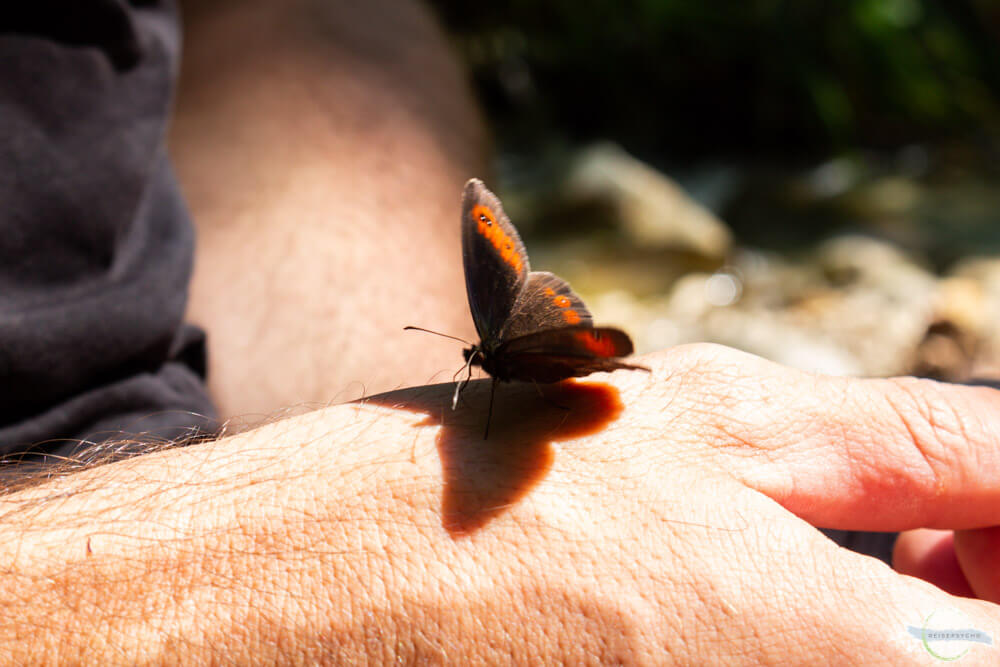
(653, 517)
(680, 529)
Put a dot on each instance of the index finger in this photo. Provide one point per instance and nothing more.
(860, 454)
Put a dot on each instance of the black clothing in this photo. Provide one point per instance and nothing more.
(96, 245)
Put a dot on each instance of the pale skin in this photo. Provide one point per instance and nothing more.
(678, 526)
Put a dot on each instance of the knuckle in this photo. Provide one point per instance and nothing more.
(936, 428)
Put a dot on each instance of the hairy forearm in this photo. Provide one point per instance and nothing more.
(329, 536)
(274, 543)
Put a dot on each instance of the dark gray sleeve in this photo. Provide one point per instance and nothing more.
(96, 245)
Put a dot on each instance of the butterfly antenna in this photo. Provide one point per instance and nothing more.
(437, 333)
(489, 414)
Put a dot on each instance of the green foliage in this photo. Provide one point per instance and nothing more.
(683, 76)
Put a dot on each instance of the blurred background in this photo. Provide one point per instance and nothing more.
(814, 182)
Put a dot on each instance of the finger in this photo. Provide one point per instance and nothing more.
(895, 609)
(930, 555)
(977, 551)
(846, 453)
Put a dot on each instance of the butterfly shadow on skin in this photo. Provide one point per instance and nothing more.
(482, 478)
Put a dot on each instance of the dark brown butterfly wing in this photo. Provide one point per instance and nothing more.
(496, 264)
(556, 354)
(545, 302)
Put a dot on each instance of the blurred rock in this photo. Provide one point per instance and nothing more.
(863, 323)
(768, 333)
(962, 301)
(955, 335)
(650, 208)
(884, 197)
(832, 178)
(945, 353)
(774, 337)
(975, 296)
(877, 304)
(862, 303)
(976, 310)
(857, 306)
(854, 260)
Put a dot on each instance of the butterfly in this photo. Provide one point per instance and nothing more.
(532, 326)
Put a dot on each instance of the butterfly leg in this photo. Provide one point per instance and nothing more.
(489, 414)
(462, 383)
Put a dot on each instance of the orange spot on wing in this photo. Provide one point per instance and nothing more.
(571, 316)
(549, 291)
(561, 301)
(602, 347)
(490, 229)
